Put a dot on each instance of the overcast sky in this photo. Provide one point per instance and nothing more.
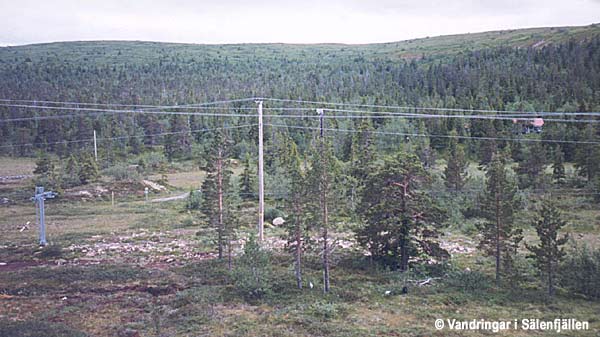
(307, 21)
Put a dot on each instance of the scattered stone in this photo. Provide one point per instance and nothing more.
(79, 194)
(25, 227)
(129, 333)
(155, 186)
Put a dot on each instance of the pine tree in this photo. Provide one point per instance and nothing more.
(455, 173)
(88, 169)
(558, 166)
(321, 179)
(401, 220)
(500, 201)
(322, 168)
(548, 253)
(231, 218)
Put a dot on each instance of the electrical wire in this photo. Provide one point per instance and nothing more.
(402, 107)
(405, 134)
(128, 137)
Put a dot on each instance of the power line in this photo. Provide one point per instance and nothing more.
(405, 107)
(442, 136)
(423, 116)
(500, 117)
(382, 114)
(36, 118)
(127, 105)
(128, 137)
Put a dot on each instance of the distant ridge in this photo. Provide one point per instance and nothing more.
(120, 51)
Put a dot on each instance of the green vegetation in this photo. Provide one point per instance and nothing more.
(389, 222)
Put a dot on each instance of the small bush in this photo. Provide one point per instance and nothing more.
(195, 305)
(193, 201)
(122, 172)
(51, 252)
(253, 276)
(272, 213)
(580, 272)
(326, 310)
(36, 328)
(153, 160)
(468, 281)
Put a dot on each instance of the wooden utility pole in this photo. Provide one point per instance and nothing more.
(324, 187)
(95, 147)
(261, 187)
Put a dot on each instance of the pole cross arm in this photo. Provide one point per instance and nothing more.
(44, 195)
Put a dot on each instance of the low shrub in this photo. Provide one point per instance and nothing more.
(122, 172)
(580, 272)
(253, 275)
(468, 280)
(36, 328)
(326, 310)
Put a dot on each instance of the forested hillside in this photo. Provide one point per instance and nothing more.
(527, 70)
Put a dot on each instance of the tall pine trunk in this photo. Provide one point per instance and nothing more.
(497, 240)
(325, 239)
(550, 279)
(298, 234)
(324, 187)
(220, 198)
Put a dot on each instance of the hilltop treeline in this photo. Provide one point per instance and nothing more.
(556, 77)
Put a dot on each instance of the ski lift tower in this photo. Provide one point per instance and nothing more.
(39, 198)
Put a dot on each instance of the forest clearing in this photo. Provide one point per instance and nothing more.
(149, 265)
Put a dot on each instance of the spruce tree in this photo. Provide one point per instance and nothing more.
(178, 143)
(587, 156)
(500, 238)
(455, 173)
(532, 166)
(214, 188)
(247, 180)
(548, 253)
(297, 203)
(44, 166)
(363, 156)
(71, 172)
(363, 150)
(88, 169)
(558, 166)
